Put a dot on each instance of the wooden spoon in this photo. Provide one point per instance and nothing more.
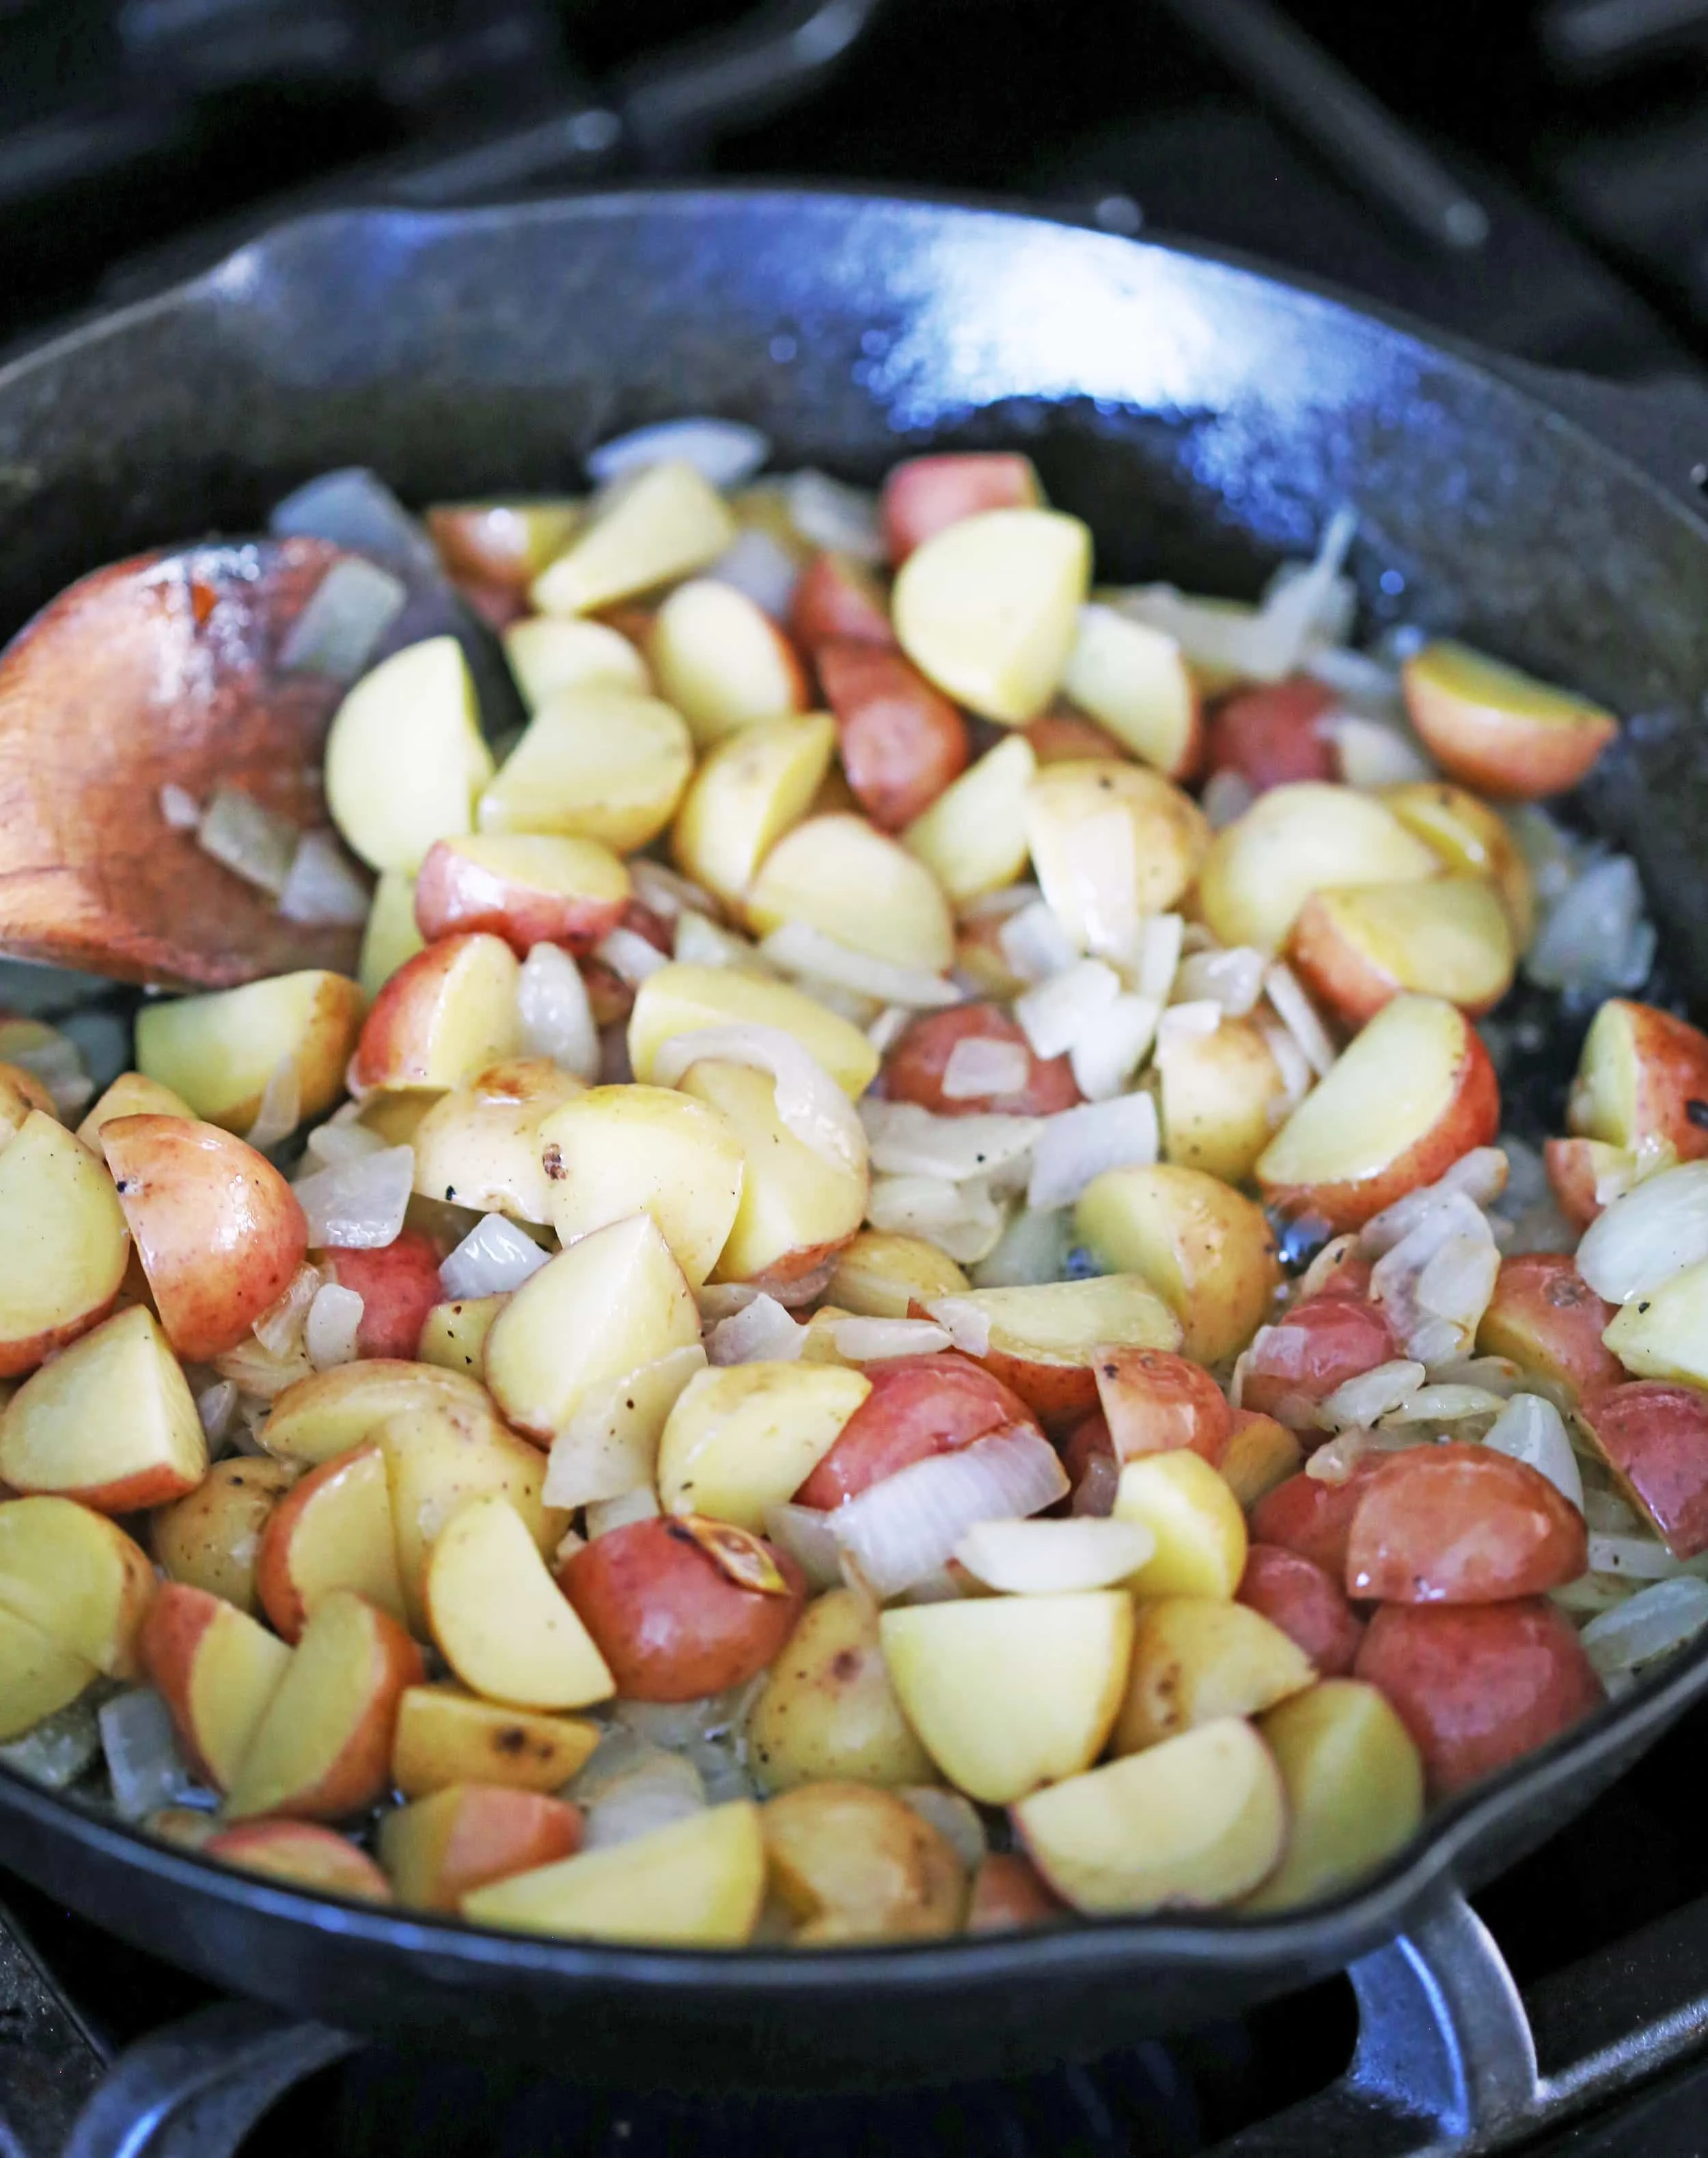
(160, 670)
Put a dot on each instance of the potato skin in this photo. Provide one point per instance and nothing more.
(1313, 1518)
(1478, 1685)
(857, 1864)
(1308, 1604)
(1269, 736)
(828, 1711)
(1546, 1317)
(1321, 1343)
(1457, 1524)
(918, 1405)
(913, 1071)
(668, 1620)
(1653, 1435)
(901, 740)
(398, 1285)
(209, 1538)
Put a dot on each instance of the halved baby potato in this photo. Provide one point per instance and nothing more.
(481, 1145)
(404, 759)
(445, 1016)
(1204, 1249)
(1217, 1096)
(1198, 1532)
(595, 763)
(1642, 1074)
(622, 1150)
(680, 999)
(742, 1438)
(972, 838)
(840, 875)
(750, 789)
(1045, 1341)
(1355, 1789)
(1361, 946)
(1134, 680)
(1110, 839)
(1195, 1658)
(722, 662)
(527, 887)
(661, 523)
(1498, 730)
(217, 1052)
(1296, 840)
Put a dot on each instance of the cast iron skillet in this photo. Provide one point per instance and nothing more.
(1205, 418)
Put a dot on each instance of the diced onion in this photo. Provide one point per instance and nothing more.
(1045, 1559)
(324, 885)
(1104, 874)
(1437, 1342)
(809, 1103)
(1652, 1233)
(143, 1764)
(1298, 1015)
(632, 955)
(332, 1143)
(726, 453)
(1372, 755)
(355, 508)
(279, 1328)
(1457, 1281)
(260, 1376)
(967, 1323)
(280, 1109)
(359, 1205)
(842, 518)
(611, 1444)
(1596, 941)
(1195, 1021)
(1034, 944)
(494, 1257)
(1369, 682)
(657, 1792)
(1114, 1045)
(1033, 1250)
(956, 1819)
(1161, 941)
(897, 1532)
(796, 949)
(979, 1067)
(889, 1027)
(1232, 979)
(760, 566)
(906, 1140)
(1640, 1558)
(962, 1219)
(338, 631)
(1532, 1430)
(557, 1020)
(605, 1515)
(252, 841)
(1060, 1011)
(1079, 1144)
(761, 1332)
(216, 1405)
(1370, 1394)
(875, 1340)
(329, 1332)
(804, 1532)
(179, 809)
(702, 943)
(1652, 1623)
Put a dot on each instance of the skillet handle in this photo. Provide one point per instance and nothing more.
(1445, 2061)
(197, 2088)
(1661, 426)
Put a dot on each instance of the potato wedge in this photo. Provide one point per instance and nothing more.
(841, 876)
(1355, 1790)
(482, 1145)
(62, 1242)
(405, 759)
(217, 1671)
(1219, 1096)
(1110, 839)
(1196, 1658)
(1045, 1341)
(1206, 1249)
(443, 1017)
(498, 1618)
(332, 1530)
(445, 1735)
(307, 1856)
(988, 606)
(618, 1151)
(390, 937)
(548, 653)
(1199, 1531)
(1133, 680)
(752, 787)
(218, 1051)
(881, 1275)
(209, 1538)
(1498, 731)
(855, 1864)
(440, 1849)
(1362, 945)
(972, 838)
(454, 1336)
(660, 523)
(1472, 840)
(1296, 840)
(722, 662)
(527, 887)
(745, 1437)
(595, 763)
(78, 1577)
(328, 1414)
(829, 1712)
(1640, 1070)
(38, 1677)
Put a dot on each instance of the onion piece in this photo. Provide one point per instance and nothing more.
(723, 1300)
(760, 566)
(216, 1406)
(1060, 1011)
(333, 1144)
(143, 1764)
(1195, 1021)
(1162, 939)
(830, 514)
(1533, 1431)
(324, 885)
(611, 1444)
(804, 1532)
(1444, 1404)
(1652, 1233)
(338, 631)
(1034, 944)
(701, 941)
(250, 840)
(799, 949)
(1636, 1558)
(604, 1515)
(1370, 1394)
(1372, 754)
(875, 1340)
(1298, 1015)
(1596, 942)
(179, 809)
(809, 1103)
(666, 892)
(1650, 1625)
(330, 1330)
(359, 1205)
(726, 453)
(1032, 1250)
(1232, 979)
(761, 1332)
(967, 1323)
(979, 1067)
(657, 1791)
(494, 1257)
(279, 1327)
(1079, 1144)
(1114, 1045)
(1046, 1558)
(897, 1532)
(632, 955)
(906, 1140)
(260, 1376)
(280, 1109)
(962, 1219)
(557, 1020)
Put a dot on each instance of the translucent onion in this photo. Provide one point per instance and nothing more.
(724, 452)
(1596, 941)
(324, 885)
(329, 1145)
(1654, 1232)
(1227, 795)
(143, 1764)
(334, 1321)
(1298, 1015)
(1094, 1495)
(1032, 1250)
(906, 1140)
(702, 943)
(359, 1205)
(760, 566)
(962, 1219)
(1650, 1625)
(179, 809)
(967, 1323)
(1161, 941)
(1080, 1145)
(280, 1109)
(761, 1332)
(557, 1020)
(666, 892)
(809, 1103)
(339, 632)
(979, 1068)
(1060, 1010)
(1047, 1559)
(1639, 1558)
(260, 1376)
(494, 1257)
(216, 1405)
(1113, 1047)
(1104, 874)
(1370, 1394)
(897, 1532)
(804, 1532)
(279, 1328)
(252, 841)
(1193, 1021)
(1532, 1430)
(1441, 1404)
(631, 956)
(1034, 944)
(605, 1515)
(658, 1790)
(843, 519)
(1371, 754)
(799, 949)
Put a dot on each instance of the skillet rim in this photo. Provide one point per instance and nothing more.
(1429, 1869)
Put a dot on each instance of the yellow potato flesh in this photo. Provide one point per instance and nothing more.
(1200, 1531)
(499, 1620)
(747, 1436)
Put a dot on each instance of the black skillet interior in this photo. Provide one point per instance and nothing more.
(1206, 421)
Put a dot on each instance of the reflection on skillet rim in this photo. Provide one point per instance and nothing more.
(1576, 1762)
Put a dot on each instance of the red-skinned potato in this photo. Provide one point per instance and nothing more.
(1154, 1401)
(914, 1068)
(1270, 737)
(1575, 1167)
(918, 1405)
(78, 1577)
(527, 887)
(1359, 948)
(1457, 1524)
(1313, 1517)
(445, 1016)
(1653, 1435)
(922, 496)
(1411, 1094)
(1260, 1453)
(1478, 1685)
(1497, 730)
(901, 740)
(216, 1670)
(1008, 1891)
(439, 1849)
(501, 544)
(1307, 1604)
(1061, 736)
(322, 1748)
(1046, 1340)
(332, 1530)
(835, 597)
(668, 1619)
(62, 1245)
(1547, 1319)
(305, 1854)
(398, 1285)
(218, 1230)
(1642, 1074)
